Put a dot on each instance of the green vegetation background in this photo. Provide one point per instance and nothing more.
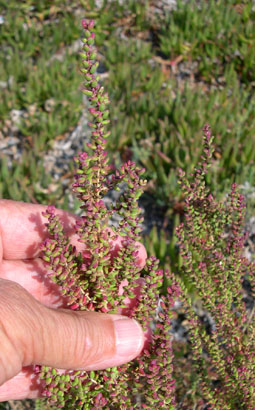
(167, 74)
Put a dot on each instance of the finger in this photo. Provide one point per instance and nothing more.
(34, 334)
(31, 274)
(25, 385)
(22, 228)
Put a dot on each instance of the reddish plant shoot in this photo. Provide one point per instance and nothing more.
(104, 279)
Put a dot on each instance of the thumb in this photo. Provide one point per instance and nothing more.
(86, 340)
(61, 338)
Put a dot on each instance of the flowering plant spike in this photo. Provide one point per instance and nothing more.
(211, 242)
(96, 280)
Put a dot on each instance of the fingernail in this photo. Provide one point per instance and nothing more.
(129, 339)
(129, 343)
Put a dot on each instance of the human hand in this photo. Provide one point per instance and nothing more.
(35, 326)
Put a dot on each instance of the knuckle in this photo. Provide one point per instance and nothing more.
(19, 321)
(10, 358)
